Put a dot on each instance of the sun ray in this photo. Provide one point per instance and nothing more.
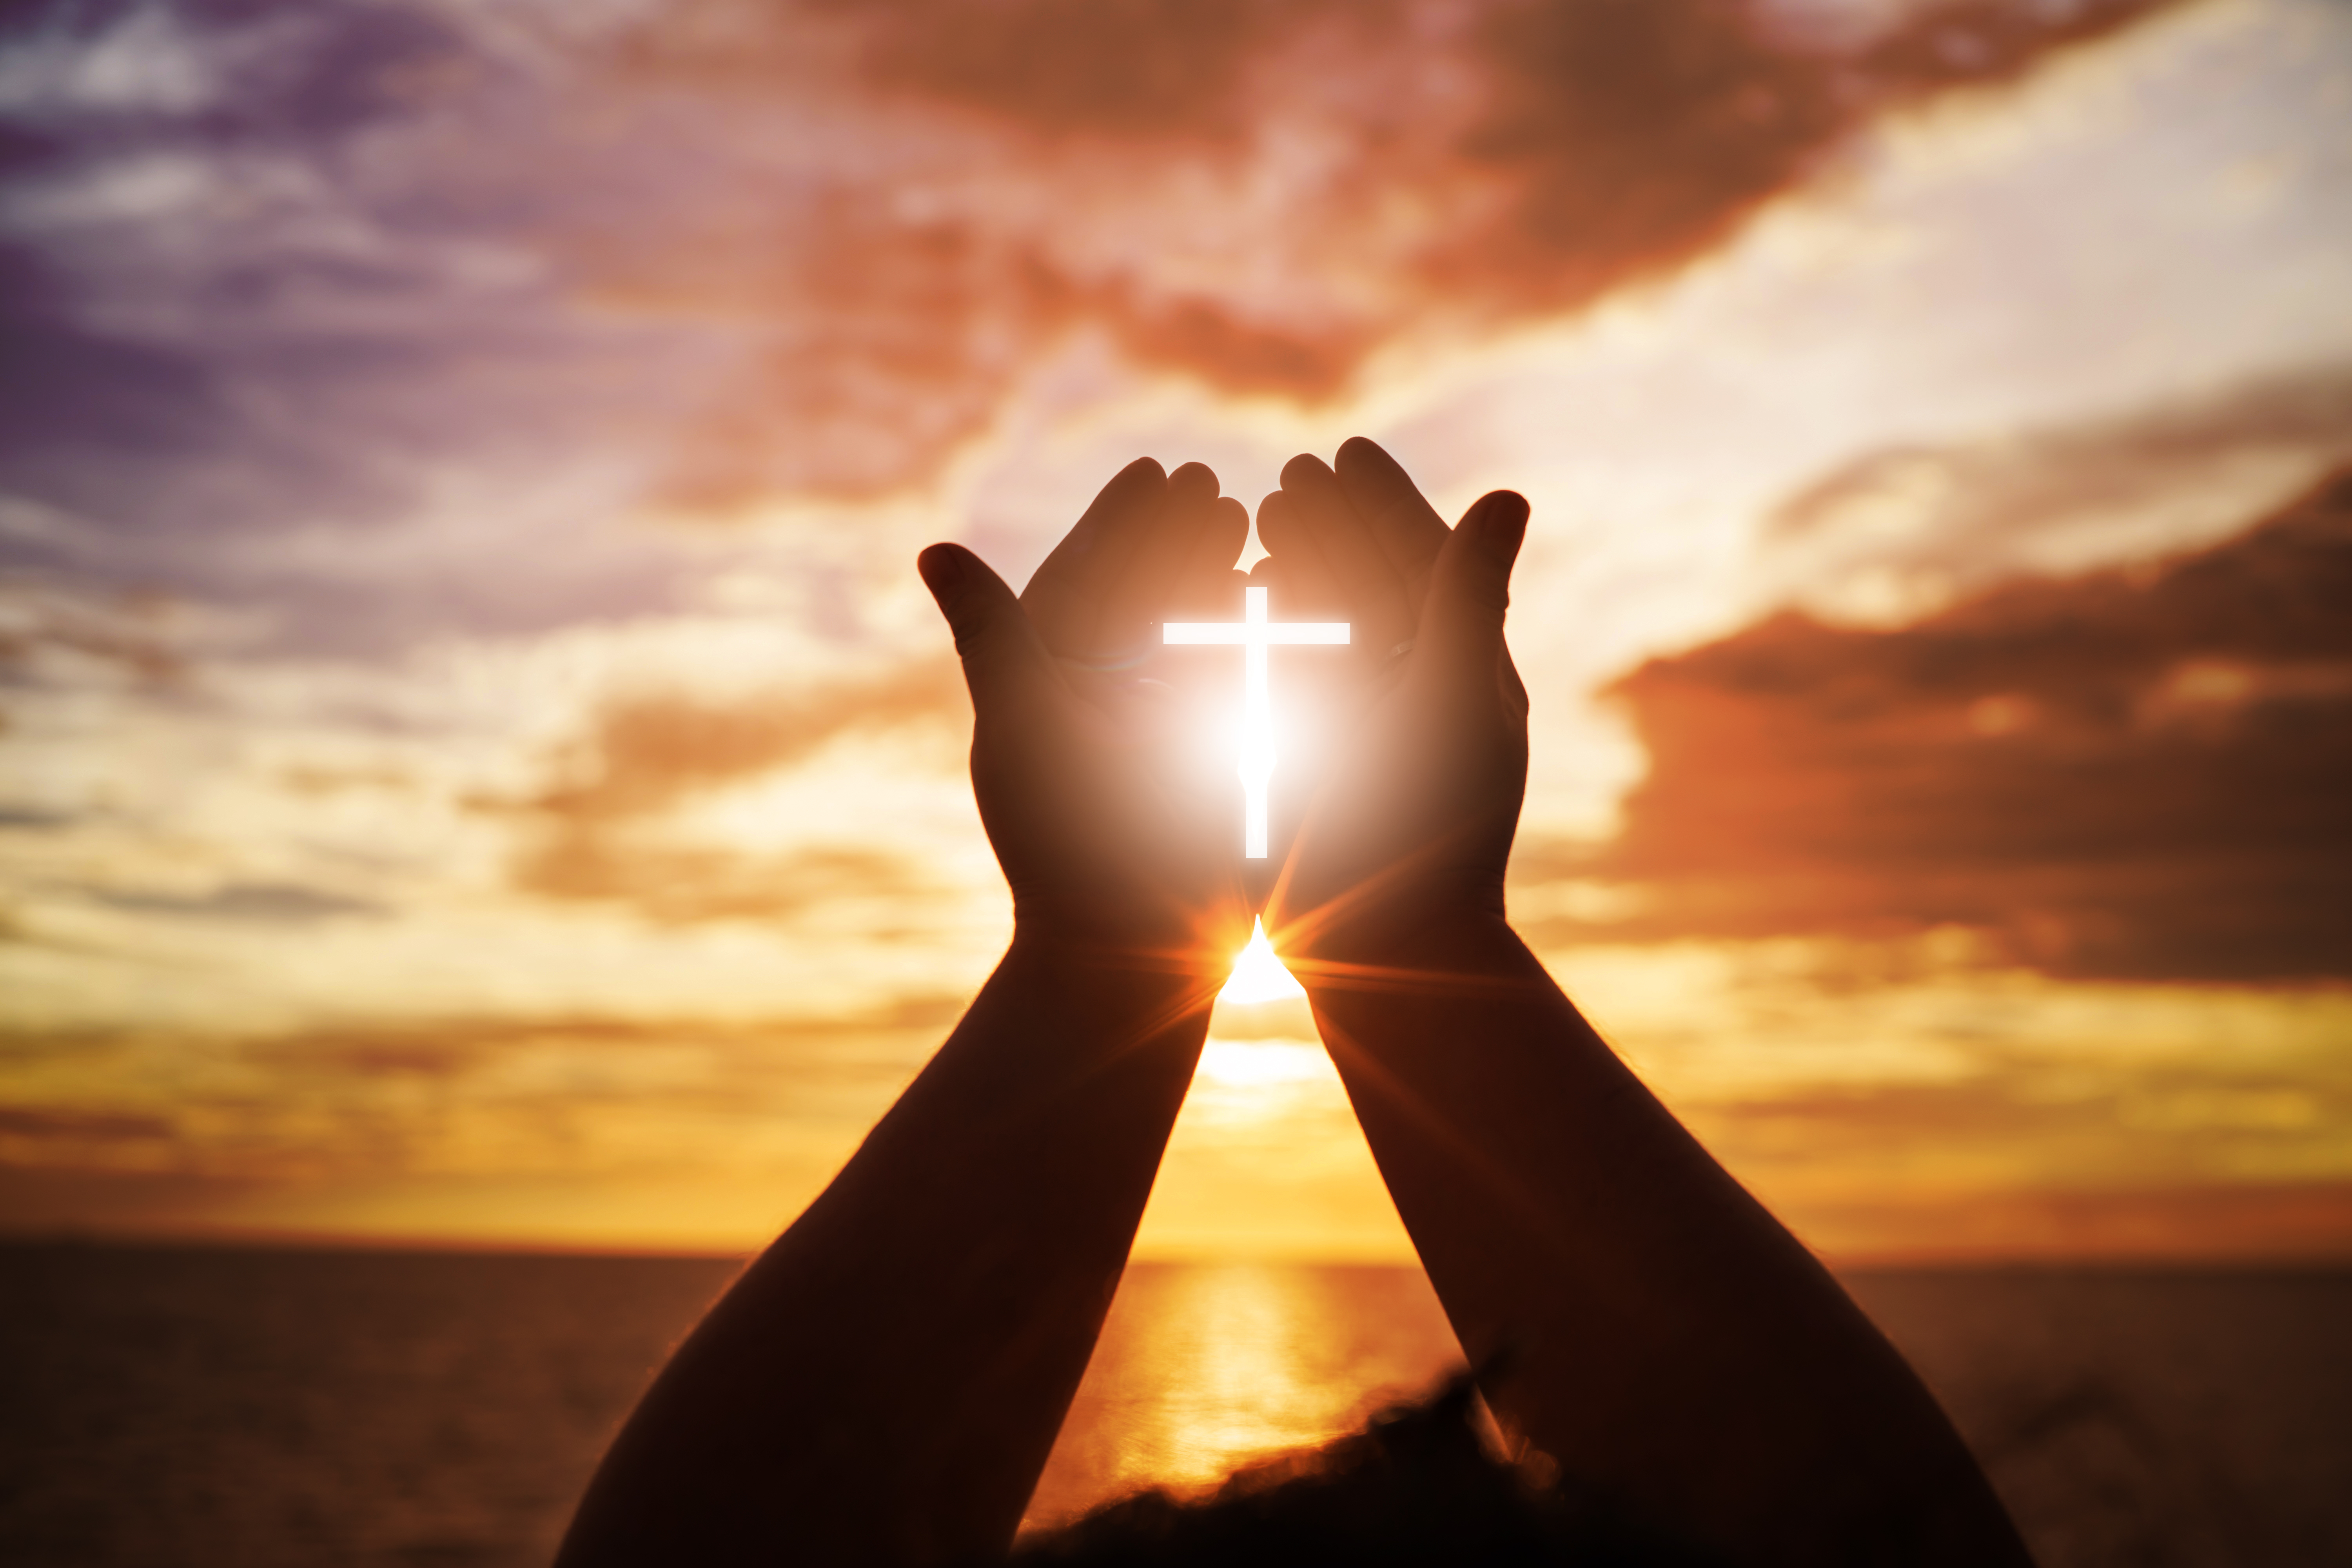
(1258, 974)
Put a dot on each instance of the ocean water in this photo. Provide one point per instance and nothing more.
(248, 1409)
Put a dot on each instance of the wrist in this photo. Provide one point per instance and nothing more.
(1381, 919)
(1374, 947)
(1455, 972)
(1164, 960)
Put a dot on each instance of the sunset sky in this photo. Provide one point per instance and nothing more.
(477, 763)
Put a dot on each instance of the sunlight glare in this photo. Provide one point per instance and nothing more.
(1259, 976)
(1254, 633)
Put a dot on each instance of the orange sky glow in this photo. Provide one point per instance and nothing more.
(476, 763)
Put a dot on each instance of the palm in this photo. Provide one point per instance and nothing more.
(1424, 755)
(1086, 778)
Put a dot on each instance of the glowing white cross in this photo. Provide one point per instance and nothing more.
(1255, 634)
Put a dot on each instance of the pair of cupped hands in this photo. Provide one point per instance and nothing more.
(1116, 812)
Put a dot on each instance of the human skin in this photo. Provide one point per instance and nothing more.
(1649, 1326)
(884, 1384)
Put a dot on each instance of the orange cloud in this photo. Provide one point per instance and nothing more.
(664, 1131)
(685, 885)
(345, 1095)
(1626, 137)
(127, 636)
(649, 751)
(2225, 1221)
(593, 834)
(2139, 773)
(1261, 196)
(1913, 525)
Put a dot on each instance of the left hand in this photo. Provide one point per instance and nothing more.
(1102, 823)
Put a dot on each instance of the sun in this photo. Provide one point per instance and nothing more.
(1259, 976)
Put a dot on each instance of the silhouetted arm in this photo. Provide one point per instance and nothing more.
(884, 1384)
(1662, 1335)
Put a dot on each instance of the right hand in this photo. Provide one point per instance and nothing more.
(1413, 819)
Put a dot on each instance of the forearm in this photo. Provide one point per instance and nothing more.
(1664, 1337)
(884, 1382)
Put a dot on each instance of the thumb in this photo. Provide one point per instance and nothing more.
(1470, 586)
(1003, 662)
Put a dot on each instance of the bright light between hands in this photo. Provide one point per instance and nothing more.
(1255, 633)
(1259, 976)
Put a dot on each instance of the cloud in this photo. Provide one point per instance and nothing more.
(41, 1125)
(1900, 530)
(515, 1095)
(272, 902)
(2065, 1119)
(596, 832)
(47, 634)
(1629, 137)
(677, 884)
(1259, 196)
(649, 751)
(308, 308)
(250, 297)
(770, 1051)
(749, 249)
(2138, 773)
(2212, 1223)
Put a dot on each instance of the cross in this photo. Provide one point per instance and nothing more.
(1255, 634)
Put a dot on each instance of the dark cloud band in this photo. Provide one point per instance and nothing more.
(2139, 774)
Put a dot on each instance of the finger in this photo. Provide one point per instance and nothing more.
(1066, 595)
(1213, 595)
(1298, 589)
(1515, 690)
(1461, 638)
(1208, 587)
(1195, 482)
(1005, 664)
(1191, 524)
(1375, 594)
(1208, 578)
(1407, 528)
(1303, 580)
(1290, 580)
(1206, 595)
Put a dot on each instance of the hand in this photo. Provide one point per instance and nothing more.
(1087, 782)
(1413, 820)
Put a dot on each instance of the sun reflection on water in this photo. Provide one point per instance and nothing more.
(1235, 1377)
(1202, 1368)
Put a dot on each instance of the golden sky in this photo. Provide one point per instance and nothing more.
(477, 762)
